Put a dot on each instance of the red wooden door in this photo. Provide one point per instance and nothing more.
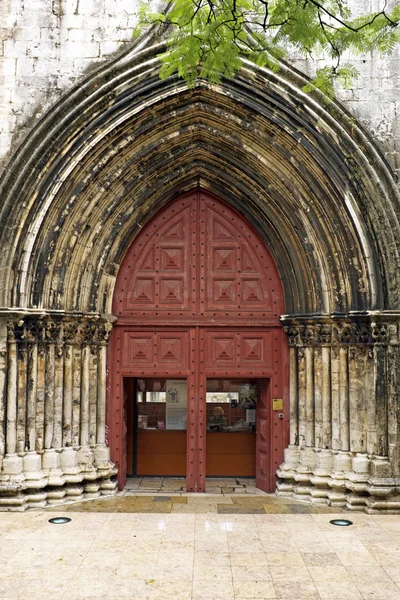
(197, 295)
(263, 436)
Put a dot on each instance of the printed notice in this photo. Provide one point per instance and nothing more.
(250, 415)
(176, 401)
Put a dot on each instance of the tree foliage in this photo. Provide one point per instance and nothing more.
(209, 38)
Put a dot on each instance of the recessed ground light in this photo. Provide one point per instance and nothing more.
(59, 520)
(341, 522)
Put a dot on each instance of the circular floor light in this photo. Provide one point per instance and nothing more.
(341, 522)
(59, 520)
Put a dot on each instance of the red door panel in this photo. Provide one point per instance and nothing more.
(263, 437)
(198, 293)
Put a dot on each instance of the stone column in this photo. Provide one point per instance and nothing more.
(51, 461)
(32, 462)
(58, 395)
(86, 452)
(12, 463)
(102, 453)
(3, 380)
(21, 396)
(345, 388)
(71, 379)
(294, 399)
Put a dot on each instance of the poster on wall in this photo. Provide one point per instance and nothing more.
(247, 395)
(176, 401)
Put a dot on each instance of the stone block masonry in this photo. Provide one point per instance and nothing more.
(48, 46)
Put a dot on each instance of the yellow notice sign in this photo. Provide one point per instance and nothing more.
(277, 404)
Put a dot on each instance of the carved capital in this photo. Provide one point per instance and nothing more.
(53, 331)
(380, 333)
(293, 333)
(88, 333)
(339, 332)
(343, 332)
(71, 332)
(35, 330)
(323, 333)
(104, 332)
(11, 332)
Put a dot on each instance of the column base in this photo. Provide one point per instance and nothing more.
(69, 465)
(339, 479)
(32, 466)
(51, 467)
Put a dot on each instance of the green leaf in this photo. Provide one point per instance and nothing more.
(209, 38)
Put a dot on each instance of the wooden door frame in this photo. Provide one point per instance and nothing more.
(196, 407)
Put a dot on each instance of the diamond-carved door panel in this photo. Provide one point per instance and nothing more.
(238, 349)
(224, 292)
(172, 349)
(172, 259)
(172, 291)
(221, 350)
(201, 261)
(252, 292)
(144, 291)
(220, 231)
(140, 349)
(253, 350)
(154, 350)
(225, 259)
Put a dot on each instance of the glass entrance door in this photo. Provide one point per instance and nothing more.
(160, 415)
(231, 408)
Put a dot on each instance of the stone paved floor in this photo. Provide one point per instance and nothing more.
(177, 485)
(99, 556)
(168, 495)
(195, 504)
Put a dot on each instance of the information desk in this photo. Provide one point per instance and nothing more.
(231, 454)
(161, 452)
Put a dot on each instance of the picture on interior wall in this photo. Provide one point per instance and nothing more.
(247, 395)
(176, 404)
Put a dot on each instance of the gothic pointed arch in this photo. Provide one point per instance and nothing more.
(307, 177)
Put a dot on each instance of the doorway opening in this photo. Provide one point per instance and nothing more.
(198, 299)
(231, 407)
(156, 416)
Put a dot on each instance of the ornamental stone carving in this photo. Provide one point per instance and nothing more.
(340, 332)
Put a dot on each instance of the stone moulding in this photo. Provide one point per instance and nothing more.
(53, 445)
(343, 411)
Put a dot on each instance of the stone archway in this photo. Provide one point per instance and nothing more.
(313, 186)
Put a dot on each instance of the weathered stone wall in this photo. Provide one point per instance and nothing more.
(46, 46)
